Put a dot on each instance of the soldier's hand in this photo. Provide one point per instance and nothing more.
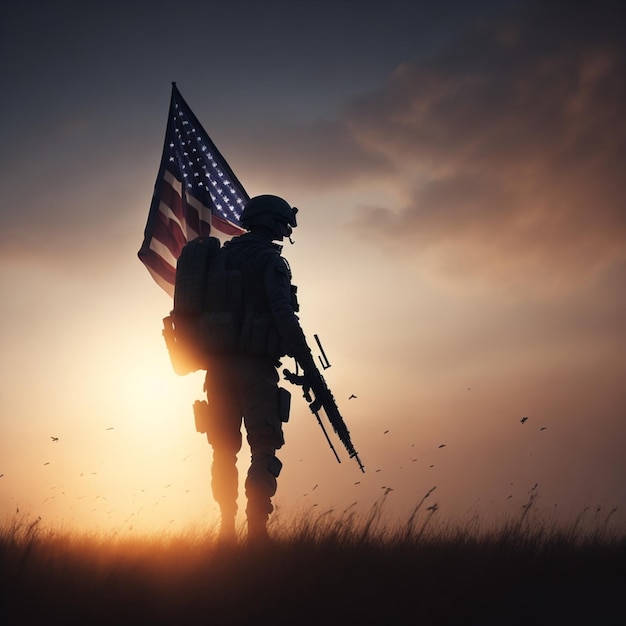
(313, 377)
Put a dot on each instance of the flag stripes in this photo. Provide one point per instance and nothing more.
(195, 194)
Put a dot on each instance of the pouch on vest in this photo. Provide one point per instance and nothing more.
(218, 332)
(260, 337)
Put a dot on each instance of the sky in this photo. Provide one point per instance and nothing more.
(460, 252)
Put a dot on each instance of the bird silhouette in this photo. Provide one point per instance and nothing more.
(54, 438)
(385, 432)
(351, 396)
(544, 428)
(443, 445)
(524, 419)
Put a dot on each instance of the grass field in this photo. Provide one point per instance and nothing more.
(320, 569)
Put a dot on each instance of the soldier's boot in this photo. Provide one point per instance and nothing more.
(260, 488)
(257, 529)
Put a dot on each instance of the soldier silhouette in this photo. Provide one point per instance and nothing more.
(242, 381)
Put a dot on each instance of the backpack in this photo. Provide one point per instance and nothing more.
(181, 328)
(210, 316)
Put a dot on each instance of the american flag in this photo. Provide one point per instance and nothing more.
(195, 194)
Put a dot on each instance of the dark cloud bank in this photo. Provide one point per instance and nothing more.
(516, 135)
(505, 148)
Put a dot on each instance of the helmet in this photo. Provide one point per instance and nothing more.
(270, 212)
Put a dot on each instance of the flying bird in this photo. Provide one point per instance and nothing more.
(110, 427)
(54, 438)
(524, 419)
(385, 432)
(351, 396)
(543, 428)
(443, 445)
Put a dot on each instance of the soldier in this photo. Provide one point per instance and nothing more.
(242, 383)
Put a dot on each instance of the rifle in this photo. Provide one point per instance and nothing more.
(323, 399)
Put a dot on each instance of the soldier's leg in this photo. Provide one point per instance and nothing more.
(224, 435)
(264, 433)
(260, 488)
(225, 482)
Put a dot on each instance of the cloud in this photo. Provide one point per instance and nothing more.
(512, 143)
(322, 153)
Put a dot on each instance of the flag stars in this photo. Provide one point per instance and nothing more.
(204, 175)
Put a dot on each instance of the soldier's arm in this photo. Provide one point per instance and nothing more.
(278, 287)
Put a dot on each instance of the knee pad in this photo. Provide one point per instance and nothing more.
(274, 466)
(264, 462)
